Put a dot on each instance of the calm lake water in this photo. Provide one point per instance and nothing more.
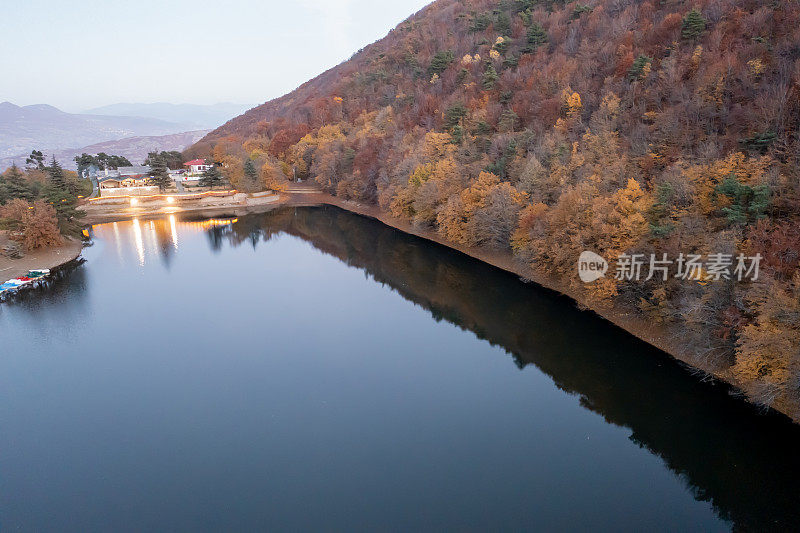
(311, 369)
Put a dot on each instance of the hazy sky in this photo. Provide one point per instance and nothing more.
(87, 53)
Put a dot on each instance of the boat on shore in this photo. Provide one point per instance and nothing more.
(34, 278)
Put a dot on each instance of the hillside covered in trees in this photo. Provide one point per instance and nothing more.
(545, 128)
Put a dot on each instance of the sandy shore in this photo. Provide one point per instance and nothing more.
(49, 258)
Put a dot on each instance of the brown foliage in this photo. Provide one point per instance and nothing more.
(779, 244)
(34, 225)
(620, 133)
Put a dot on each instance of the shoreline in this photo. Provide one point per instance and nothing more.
(116, 208)
(662, 337)
(52, 258)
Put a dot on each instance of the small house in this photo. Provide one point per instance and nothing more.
(196, 166)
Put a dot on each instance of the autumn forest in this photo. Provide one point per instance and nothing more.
(545, 128)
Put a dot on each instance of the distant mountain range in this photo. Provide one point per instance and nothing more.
(200, 116)
(133, 148)
(122, 129)
(45, 127)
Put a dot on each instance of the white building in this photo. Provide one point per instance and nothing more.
(196, 166)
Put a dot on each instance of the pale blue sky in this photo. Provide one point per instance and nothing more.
(87, 53)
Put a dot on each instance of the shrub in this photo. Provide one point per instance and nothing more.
(34, 225)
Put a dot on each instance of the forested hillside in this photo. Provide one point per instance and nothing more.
(546, 128)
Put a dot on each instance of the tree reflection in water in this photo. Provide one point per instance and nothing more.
(744, 462)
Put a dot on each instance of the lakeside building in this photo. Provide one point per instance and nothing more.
(196, 166)
(133, 176)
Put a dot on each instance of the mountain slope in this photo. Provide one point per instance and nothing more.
(25, 128)
(201, 116)
(545, 128)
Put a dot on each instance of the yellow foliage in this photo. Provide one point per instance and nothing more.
(706, 178)
(457, 220)
(768, 352)
(258, 144)
(602, 291)
(620, 220)
(697, 56)
(273, 176)
(437, 145)
(573, 104)
(714, 92)
(421, 174)
(756, 67)
(610, 105)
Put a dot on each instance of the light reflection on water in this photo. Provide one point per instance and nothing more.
(150, 238)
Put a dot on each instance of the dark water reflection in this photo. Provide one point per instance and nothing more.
(182, 380)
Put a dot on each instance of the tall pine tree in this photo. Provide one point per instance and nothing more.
(211, 176)
(251, 173)
(14, 185)
(56, 176)
(60, 195)
(159, 175)
(536, 37)
(693, 25)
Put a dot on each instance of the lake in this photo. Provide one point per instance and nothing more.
(308, 368)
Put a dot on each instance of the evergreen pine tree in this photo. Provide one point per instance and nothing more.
(159, 175)
(693, 25)
(14, 185)
(60, 195)
(490, 76)
(211, 177)
(536, 36)
(56, 176)
(250, 172)
(502, 25)
(35, 160)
